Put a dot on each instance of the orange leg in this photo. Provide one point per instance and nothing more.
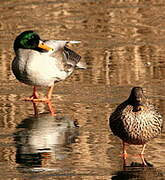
(49, 103)
(31, 98)
(142, 155)
(35, 99)
(124, 155)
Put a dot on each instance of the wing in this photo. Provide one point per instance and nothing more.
(71, 57)
(59, 48)
(66, 57)
(115, 120)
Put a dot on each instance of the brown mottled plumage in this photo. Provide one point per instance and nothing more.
(135, 121)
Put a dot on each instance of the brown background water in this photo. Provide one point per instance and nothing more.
(123, 43)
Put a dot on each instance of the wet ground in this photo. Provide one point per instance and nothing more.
(123, 43)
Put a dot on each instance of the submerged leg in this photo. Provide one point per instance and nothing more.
(35, 109)
(142, 155)
(124, 155)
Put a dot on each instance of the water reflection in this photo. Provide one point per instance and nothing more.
(138, 173)
(123, 44)
(43, 140)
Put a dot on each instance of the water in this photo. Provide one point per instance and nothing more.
(123, 43)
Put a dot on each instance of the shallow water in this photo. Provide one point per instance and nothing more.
(123, 43)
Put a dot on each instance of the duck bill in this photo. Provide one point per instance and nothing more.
(42, 45)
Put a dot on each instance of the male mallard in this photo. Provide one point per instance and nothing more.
(135, 121)
(42, 63)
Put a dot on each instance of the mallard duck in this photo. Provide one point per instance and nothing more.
(135, 121)
(43, 63)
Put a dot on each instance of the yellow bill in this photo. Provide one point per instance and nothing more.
(44, 46)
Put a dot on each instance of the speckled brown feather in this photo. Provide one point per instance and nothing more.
(135, 126)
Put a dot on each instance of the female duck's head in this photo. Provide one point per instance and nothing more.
(29, 40)
(137, 96)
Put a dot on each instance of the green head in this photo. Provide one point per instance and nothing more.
(30, 40)
(27, 40)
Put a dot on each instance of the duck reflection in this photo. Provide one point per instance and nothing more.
(44, 139)
(138, 172)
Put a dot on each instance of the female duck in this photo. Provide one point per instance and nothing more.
(135, 121)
